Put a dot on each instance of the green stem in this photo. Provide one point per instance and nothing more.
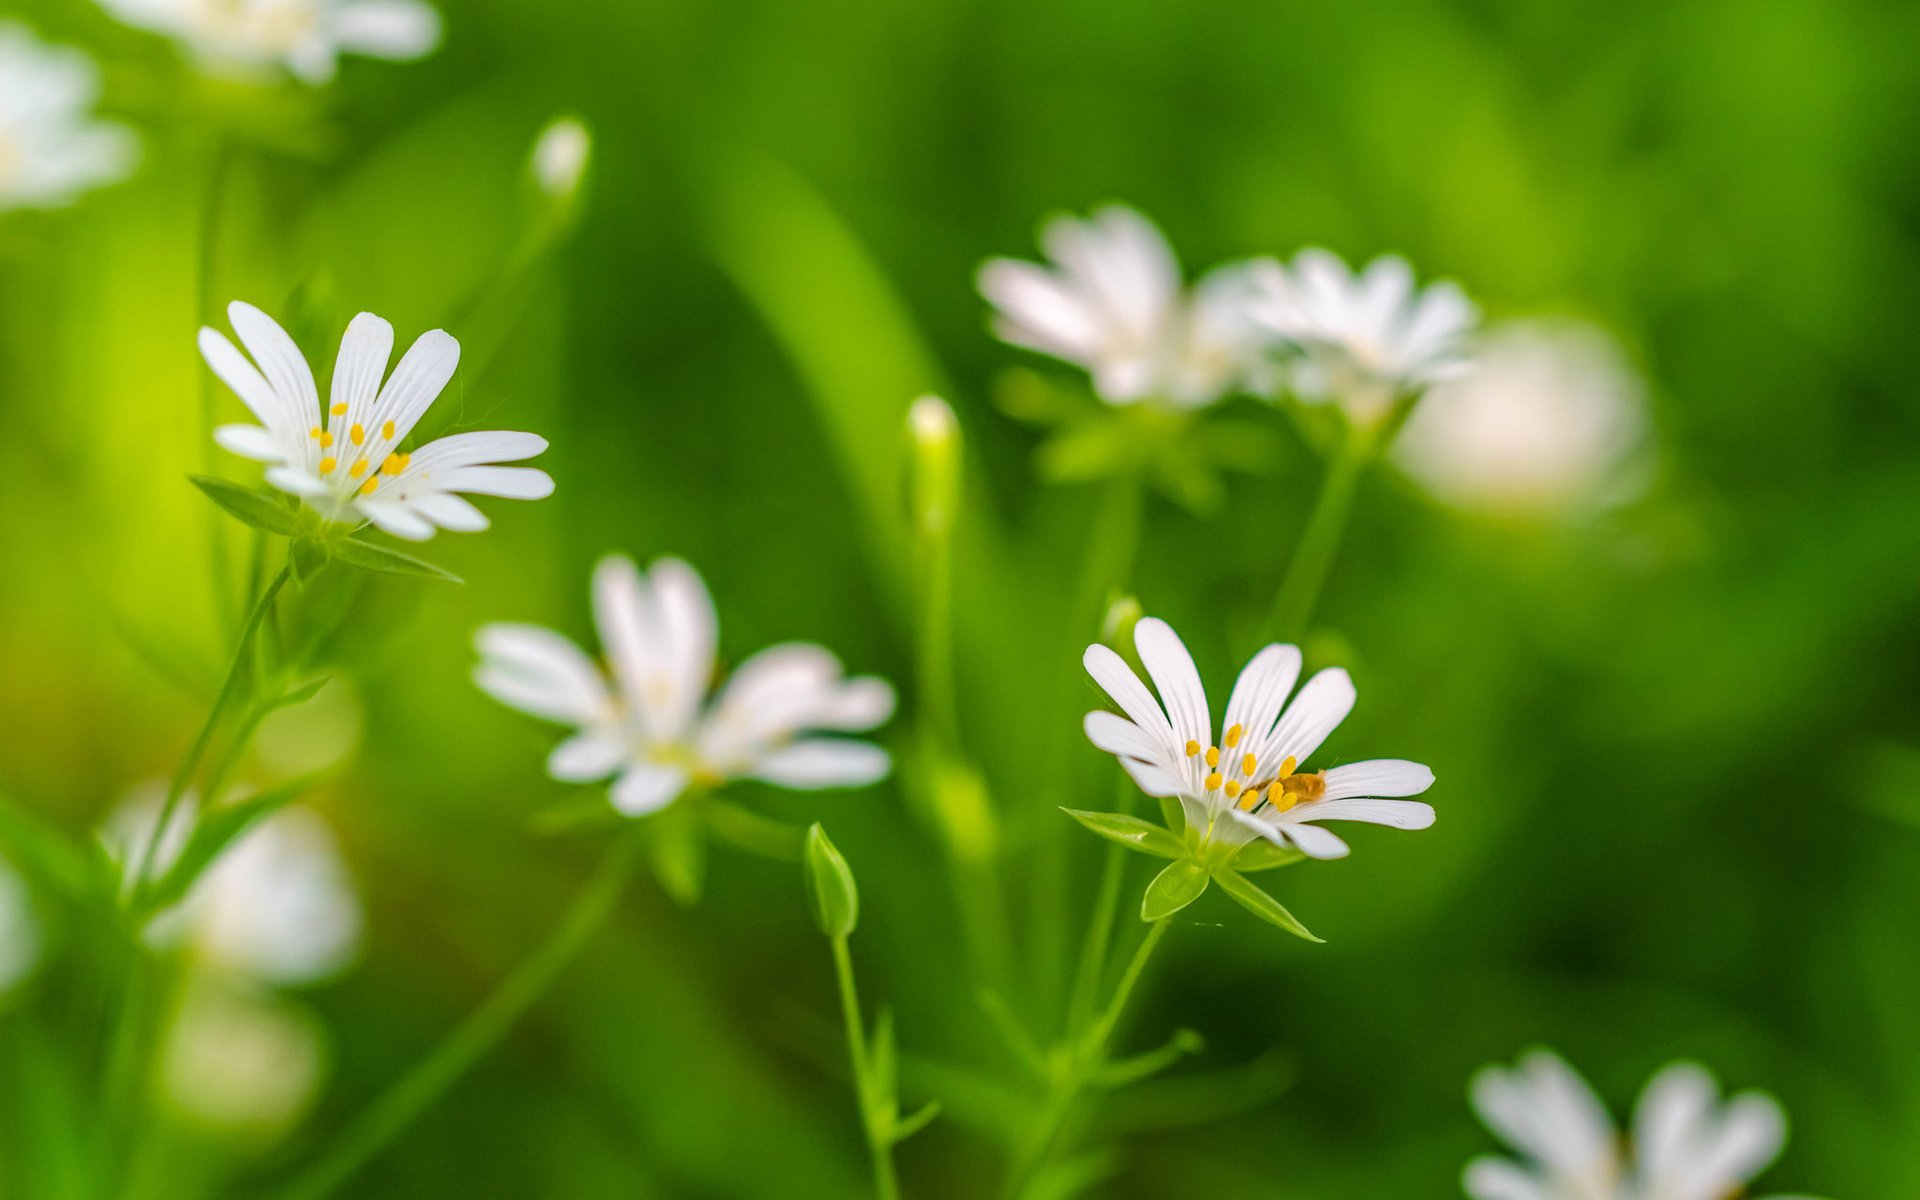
(230, 687)
(469, 1041)
(1313, 556)
(886, 1185)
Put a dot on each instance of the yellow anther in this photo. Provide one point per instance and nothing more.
(326, 439)
(1193, 747)
(1233, 736)
(358, 433)
(1213, 756)
(386, 431)
(366, 489)
(315, 433)
(1233, 788)
(358, 468)
(1214, 781)
(395, 464)
(1287, 766)
(1251, 800)
(338, 410)
(1249, 764)
(328, 463)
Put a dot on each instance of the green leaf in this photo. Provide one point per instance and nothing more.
(49, 855)
(1173, 889)
(261, 510)
(836, 901)
(1263, 855)
(1131, 832)
(906, 1127)
(382, 561)
(1260, 904)
(215, 832)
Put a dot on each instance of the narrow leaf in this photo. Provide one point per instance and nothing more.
(1260, 904)
(258, 509)
(382, 561)
(906, 1127)
(1173, 889)
(1131, 832)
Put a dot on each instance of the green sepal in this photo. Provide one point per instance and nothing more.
(1261, 905)
(1263, 855)
(381, 561)
(830, 886)
(306, 557)
(1131, 832)
(678, 850)
(262, 510)
(1173, 889)
(212, 834)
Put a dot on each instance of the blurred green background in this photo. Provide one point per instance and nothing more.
(1679, 768)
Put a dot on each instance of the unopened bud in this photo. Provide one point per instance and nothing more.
(830, 887)
(560, 156)
(936, 465)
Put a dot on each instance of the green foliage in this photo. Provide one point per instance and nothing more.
(1131, 832)
(383, 560)
(1175, 887)
(1249, 896)
(270, 511)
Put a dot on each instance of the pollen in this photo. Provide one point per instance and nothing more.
(326, 439)
(358, 433)
(315, 433)
(338, 410)
(1213, 756)
(386, 431)
(1288, 766)
(1232, 788)
(1214, 781)
(1249, 764)
(366, 489)
(358, 468)
(1233, 736)
(328, 463)
(1193, 747)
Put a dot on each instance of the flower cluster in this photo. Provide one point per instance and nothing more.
(305, 37)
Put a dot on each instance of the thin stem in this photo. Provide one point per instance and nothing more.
(183, 775)
(470, 1040)
(1097, 1038)
(1313, 556)
(1101, 919)
(886, 1184)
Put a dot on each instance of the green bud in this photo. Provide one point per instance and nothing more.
(1116, 628)
(836, 901)
(936, 466)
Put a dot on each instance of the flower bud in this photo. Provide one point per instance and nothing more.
(936, 465)
(830, 887)
(560, 156)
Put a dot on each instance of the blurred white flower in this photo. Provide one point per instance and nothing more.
(51, 148)
(1247, 784)
(277, 907)
(19, 935)
(1547, 416)
(560, 156)
(655, 726)
(1686, 1143)
(1362, 340)
(240, 1060)
(307, 37)
(1113, 303)
(347, 464)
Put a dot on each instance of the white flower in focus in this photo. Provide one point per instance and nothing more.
(1687, 1144)
(1547, 416)
(19, 935)
(654, 725)
(1362, 339)
(277, 907)
(1111, 301)
(347, 463)
(1248, 782)
(240, 1060)
(51, 148)
(307, 37)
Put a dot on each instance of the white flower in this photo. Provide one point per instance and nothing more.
(1113, 303)
(347, 465)
(51, 148)
(1546, 417)
(307, 37)
(276, 907)
(1362, 339)
(240, 1060)
(1686, 1143)
(19, 935)
(1248, 783)
(654, 725)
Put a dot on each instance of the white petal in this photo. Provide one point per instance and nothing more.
(622, 611)
(226, 361)
(1750, 1136)
(1673, 1107)
(396, 518)
(646, 787)
(297, 481)
(1378, 777)
(280, 361)
(416, 383)
(1314, 841)
(586, 757)
(1497, 1179)
(278, 905)
(690, 628)
(476, 448)
(250, 441)
(449, 511)
(1401, 814)
(1039, 311)
(396, 29)
(1153, 780)
(1117, 679)
(510, 483)
(1176, 679)
(1117, 735)
(540, 672)
(364, 351)
(1260, 692)
(1314, 713)
(1542, 1107)
(824, 763)
(854, 705)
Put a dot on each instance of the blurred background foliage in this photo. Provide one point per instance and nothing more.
(1679, 794)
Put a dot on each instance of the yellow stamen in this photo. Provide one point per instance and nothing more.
(1193, 747)
(326, 439)
(1249, 764)
(1233, 788)
(339, 410)
(386, 431)
(1213, 756)
(358, 433)
(315, 433)
(1251, 800)
(358, 468)
(1214, 781)
(395, 464)
(366, 489)
(1287, 766)
(1233, 736)
(328, 463)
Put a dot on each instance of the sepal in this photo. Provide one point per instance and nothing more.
(830, 886)
(1173, 889)
(381, 561)
(1131, 832)
(1250, 897)
(261, 510)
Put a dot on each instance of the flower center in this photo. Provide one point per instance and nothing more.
(357, 455)
(1242, 781)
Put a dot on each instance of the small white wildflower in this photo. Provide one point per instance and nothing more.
(306, 37)
(240, 1060)
(655, 726)
(347, 464)
(1363, 339)
(560, 156)
(1248, 783)
(51, 148)
(1111, 301)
